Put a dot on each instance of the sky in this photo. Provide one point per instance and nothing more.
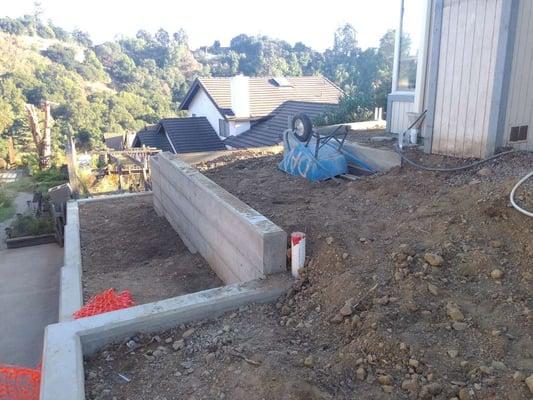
(311, 22)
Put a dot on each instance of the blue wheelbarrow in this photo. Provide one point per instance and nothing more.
(314, 156)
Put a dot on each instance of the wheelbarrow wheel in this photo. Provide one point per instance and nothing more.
(302, 127)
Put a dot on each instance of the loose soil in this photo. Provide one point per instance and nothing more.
(125, 245)
(370, 318)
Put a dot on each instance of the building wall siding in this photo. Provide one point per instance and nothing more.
(202, 106)
(399, 121)
(469, 42)
(520, 99)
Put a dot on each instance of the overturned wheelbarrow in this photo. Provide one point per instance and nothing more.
(316, 157)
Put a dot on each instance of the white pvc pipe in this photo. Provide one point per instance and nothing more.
(297, 252)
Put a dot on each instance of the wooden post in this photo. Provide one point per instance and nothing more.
(72, 164)
(47, 138)
(11, 151)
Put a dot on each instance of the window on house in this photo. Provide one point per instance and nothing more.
(410, 38)
(223, 128)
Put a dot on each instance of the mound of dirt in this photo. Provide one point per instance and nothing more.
(418, 286)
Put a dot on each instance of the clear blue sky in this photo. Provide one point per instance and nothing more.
(206, 20)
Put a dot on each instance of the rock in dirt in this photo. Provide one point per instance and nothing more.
(498, 365)
(529, 383)
(454, 312)
(453, 353)
(385, 380)
(496, 274)
(433, 289)
(464, 394)
(309, 362)
(411, 385)
(459, 326)
(346, 310)
(360, 373)
(433, 259)
(430, 390)
(329, 240)
(496, 244)
(484, 172)
(414, 363)
(337, 318)
(387, 388)
(188, 333)
(518, 376)
(178, 345)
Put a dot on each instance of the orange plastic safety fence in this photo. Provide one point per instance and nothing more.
(106, 301)
(17, 383)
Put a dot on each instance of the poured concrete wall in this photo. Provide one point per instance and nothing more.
(238, 243)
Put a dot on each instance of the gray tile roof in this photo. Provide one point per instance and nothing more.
(192, 134)
(150, 136)
(268, 131)
(188, 135)
(265, 95)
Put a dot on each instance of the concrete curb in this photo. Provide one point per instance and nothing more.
(113, 196)
(65, 343)
(379, 159)
(70, 289)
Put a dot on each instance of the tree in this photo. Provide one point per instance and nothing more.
(82, 38)
(42, 140)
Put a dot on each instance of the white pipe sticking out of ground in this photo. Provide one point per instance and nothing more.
(297, 252)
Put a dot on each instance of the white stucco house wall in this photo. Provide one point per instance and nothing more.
(467, 63)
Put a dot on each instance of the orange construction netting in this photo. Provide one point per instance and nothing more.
(18, 383)
(106, 301)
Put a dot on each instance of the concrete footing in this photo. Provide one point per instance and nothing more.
(239, 243)
(66, 343)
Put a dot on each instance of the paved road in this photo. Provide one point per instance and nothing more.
(29, 300)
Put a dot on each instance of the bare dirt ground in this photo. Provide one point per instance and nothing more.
(125, 245)
(419, 286)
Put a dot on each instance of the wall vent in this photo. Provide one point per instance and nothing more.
(518, 133)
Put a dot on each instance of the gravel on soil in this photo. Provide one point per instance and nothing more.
(399, 298)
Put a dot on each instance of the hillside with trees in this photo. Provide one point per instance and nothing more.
(122, 85)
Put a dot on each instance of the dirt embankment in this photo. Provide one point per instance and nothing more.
(419, 286)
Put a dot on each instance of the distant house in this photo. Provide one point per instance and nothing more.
(118, 141)
(466, 62)
(180, 135)
(253, 111)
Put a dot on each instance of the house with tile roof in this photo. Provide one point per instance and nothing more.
(180, 135)
(253, 111)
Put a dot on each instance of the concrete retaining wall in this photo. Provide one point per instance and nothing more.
(238, 243)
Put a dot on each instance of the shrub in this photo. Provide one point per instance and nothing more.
(6, 205)
(29, 225)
